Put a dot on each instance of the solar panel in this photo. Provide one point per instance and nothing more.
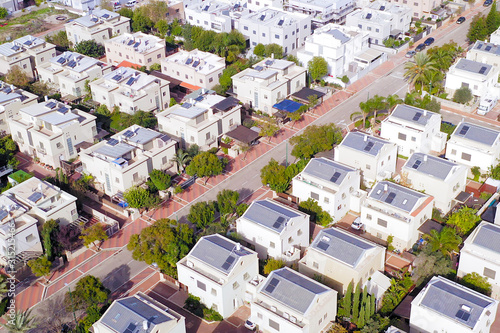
(3, 214)
(94, 19)
(463, 315)
(105, 16)
(16, 47)
(488, 48)
(196, 63)
(199, 98)
(130, 42)
(130, 81)
(188, 61)
(117, 77)
(382, 8)
(28, 42)
(128, 134)
(186, 105)
(322, 245)
(72, 64)
(61, 60)
(416, 164)
(479, 46)
(368, 16)
(51, 105)
(35, 196)
(464, 130)
(369, 146)
(390, 197)
(229, 261)
(482, 70)
(259, 68)
(137, 44)
(7, 90)
(206, 8)
(262, 17)
(280, 23)
(130, 328)
(335, 177)
(112, 142)
(63, 109)
(417, 116)
(272, 285)
(269, 62)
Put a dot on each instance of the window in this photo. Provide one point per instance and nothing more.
(286, 36)
(272, 245)
(277, 36)
(245, 28)
(257, 3)
(368, 216)
(42, 59)
(206, 22)
(368, 167)
(489, 273)
(30, 238)
(190, 17)
(402, 136)
(263, 34)
(231, 121)
(299, 232)
(207, 136)
(466, 157)
(369, 28)
(246, 276)
(413, 139)
(360, 26)
(254, 32)
(164, 160)
(187, 77)
(259, 315)
(24, 66)
(214, 292)
(314, 196)
(201, 285)
(58, 145)
(158, 56)
(377, 30)
(149, 60)
(326, 200)
(382, 223)
(379, 235)
(315, 265)
(415, 4)
(211, 79)
(453, 151)
(117, 180)
(135, 177)
(305, 27)
(201, 81)
(236, 285)
(290, 240)
(274, 325)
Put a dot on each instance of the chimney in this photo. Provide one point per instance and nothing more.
(385, 187)
(425, 158)
(46, 98)
(425, 113)
(238, 246)
(145, 325)
(365, 138)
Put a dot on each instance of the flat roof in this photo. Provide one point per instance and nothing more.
(487, 236)
(430, 165)
(412, 114)
(487, 47)
(328, 170)
(476, 133)
(243, 134)
(270, 214)
(396, 195)
(305, 92)
(115, 151)
(367, 144)
(473, 66)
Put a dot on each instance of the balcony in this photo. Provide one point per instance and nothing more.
(210, 140)
(389, 213)
(310, 182)
(280, 313)
(292, 256)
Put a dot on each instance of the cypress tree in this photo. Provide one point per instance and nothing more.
(361, 320)
(493, 18)
(368, 309)
(355, 303)
(365, 296)
(373, 306)
(348, 299)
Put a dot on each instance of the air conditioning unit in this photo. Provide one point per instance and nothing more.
(286, 315)
(293, 320)
(189, 264)
(273, 309)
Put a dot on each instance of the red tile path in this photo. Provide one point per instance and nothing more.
(122, 237)
(133, 282)
(101, 256)
(60, 284)
(146, 285)
(193, 192)
(72, 264)
(30, 296)
(167, 209)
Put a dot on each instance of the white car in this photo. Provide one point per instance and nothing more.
(250, 325)
(131, 3)
(357, 225)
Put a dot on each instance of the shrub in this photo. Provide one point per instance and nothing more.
(462, 95)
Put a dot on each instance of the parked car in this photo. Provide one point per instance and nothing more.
(410, 53)
(487, 3)
(461, 20)
(420, 47)
(250, 325)
(357, 225)
(131, 3)
(429, 41)
(117, 6)
(487, 103)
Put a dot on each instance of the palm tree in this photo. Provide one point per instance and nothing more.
(443, 58)
(376, 103)
(3, 285)
(365, 111)
(432, 79)
(446, 241)
(21, 322)
(244, 148)
(181, 159)
(418, 71)
(391, 101)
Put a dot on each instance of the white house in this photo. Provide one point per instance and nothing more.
(270, 25)
(210, 15)
(446, 306)
(13, 99)
(99, 25)
(127, 158)
(274, 229)
(321, 11)
(479, 77)
(419, 9)
(341, 258)
(381, 19)
(131, 90)
(52, 132)
(413, 130)
(291, 302)
(441, 178)
(139, 313)
(201, 120)
(474, 145)
(486, 53)
(197, 68)
(82, 5)
(71, 71)
(392, 209)
(268, 82)
(328, 182)
(481, 254)
(137, 49)
(495, 37)
(375, 157)
(217, 271)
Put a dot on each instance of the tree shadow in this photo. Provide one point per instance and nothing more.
(53, 315)
(118, 281)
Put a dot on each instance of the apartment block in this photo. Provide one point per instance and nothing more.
(13, 99)
(322, 11)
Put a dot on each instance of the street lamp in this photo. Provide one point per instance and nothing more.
(72, 304)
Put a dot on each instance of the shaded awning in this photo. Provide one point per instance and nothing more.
(404, 308)
(369, 55)
(69, 98)
(430, 225)
(304, 93)
(243, 134)
(173, 81)
(226, 104)
(287, 106)
(189, 86)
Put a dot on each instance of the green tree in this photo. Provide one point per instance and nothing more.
(59, 38)
(94, 235)
(361, 318)
(315, 139)
(311, 207)
(138, 197)
(295, 116)
(3, 12)
(22, 321)
(492, 19)
(155, 10)
(347, 300)
(268, 130)
(181, 159)
(476, 282)
(103, 110)
(160, 179)
(205, 165)
(274, 175)
(417, 72)
(49, 233)
(317, 67)
(227, 200)
(155, 67)
(88, 291)
(293, 58)
(202, 214)
(40, 266)
(93, 314)
(464, 220)
(141, 22)
(477, 29)
(164, 243)
(368, 312)
(259, 50)
(172, 102)
(274, 50)
(493, 172)
(90, 48)
(446, 241)
(272, 265)
(376, 324)
(355, 303)
(430, 263)
(463, 95)
(17, 77)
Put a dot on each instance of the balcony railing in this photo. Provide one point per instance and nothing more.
(389, 213)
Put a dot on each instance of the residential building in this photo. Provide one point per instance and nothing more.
(201, 120)
(82, 5)
(11, 5)
(486, 53)
(321, 11)
(52, 132)
(211, 15)
(27, 53)
(446, 306)
(481, 254)
(139, 49)
(275, 230)
(479, 77)
(131, 90)
(196, 68)
(139, 313)
(70, 71)
(381, 19)
(127, 158)
(474, 145)
(441, 178)
(268, 82)
(374, 156)
(13, 99)
(328, 182)
(269, 25)
(495, 37)
(419, 8)
(99, 26)
(394, 210)
(413, 130)
(294, 303)
(217, 271)
(341, 258)
(44, 201)
(256, 5)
